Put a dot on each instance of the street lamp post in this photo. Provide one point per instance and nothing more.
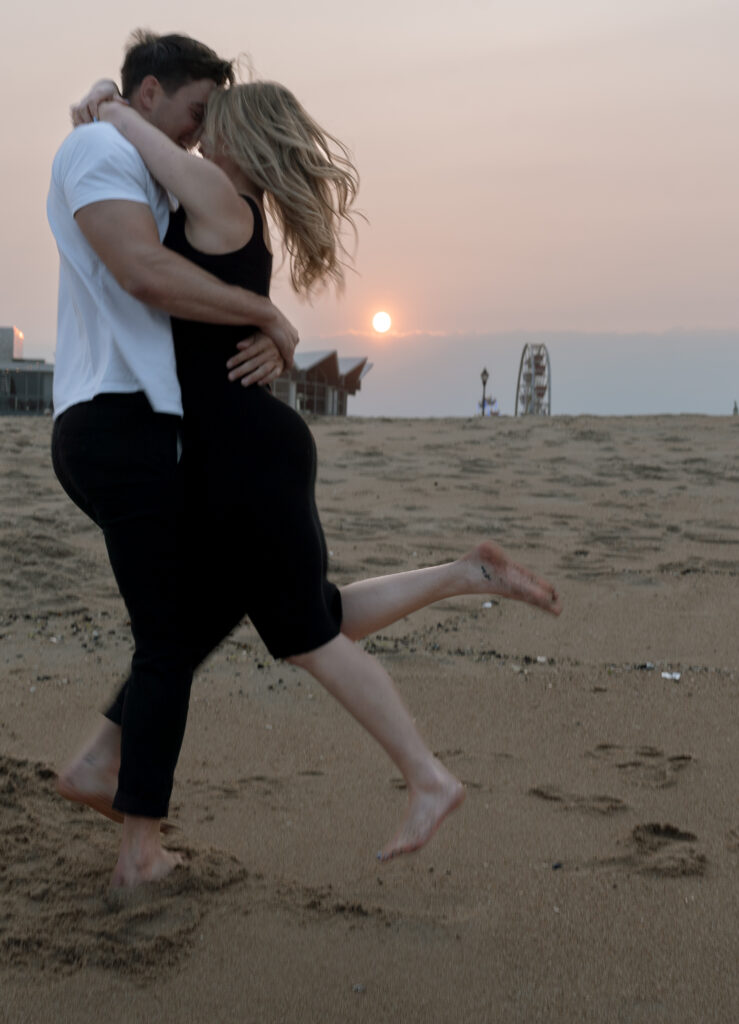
(484, 377)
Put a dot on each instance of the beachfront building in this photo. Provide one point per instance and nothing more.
(321, 382)
(25, 384)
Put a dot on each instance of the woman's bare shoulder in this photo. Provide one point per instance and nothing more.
(217, 218)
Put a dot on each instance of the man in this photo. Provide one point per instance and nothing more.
(117, 410)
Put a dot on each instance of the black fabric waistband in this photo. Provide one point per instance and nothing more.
(126, 402)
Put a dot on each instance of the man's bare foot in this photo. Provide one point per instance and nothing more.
(99, 802)
(489, 570)
(427, 808)
(142, 857)
(91, 778)
(129, 873)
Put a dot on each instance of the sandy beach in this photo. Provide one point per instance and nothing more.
(592, 874)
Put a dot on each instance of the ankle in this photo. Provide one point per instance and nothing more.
(141, 838)
(425, 774)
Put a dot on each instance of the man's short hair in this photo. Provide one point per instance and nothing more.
(174, 61)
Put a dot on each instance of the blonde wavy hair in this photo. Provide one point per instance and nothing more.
(306, 174)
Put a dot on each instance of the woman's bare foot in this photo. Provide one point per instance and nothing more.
(91, 778)
(142, 857)
(489, 570)
(427, 808)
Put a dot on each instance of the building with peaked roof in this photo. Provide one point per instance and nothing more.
(25, 384)
(321, 382)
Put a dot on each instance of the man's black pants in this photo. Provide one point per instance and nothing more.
(117, 460)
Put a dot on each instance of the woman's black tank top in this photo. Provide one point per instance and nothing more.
(202, 349)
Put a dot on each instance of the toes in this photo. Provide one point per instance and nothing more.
(392, 851)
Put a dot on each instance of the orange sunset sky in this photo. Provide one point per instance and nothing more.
(564, 168)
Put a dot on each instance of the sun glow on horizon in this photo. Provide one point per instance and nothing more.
(382, 322)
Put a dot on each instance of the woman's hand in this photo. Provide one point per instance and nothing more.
(86, 111)
(107, 110)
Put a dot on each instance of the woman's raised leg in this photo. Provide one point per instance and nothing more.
(369, 605)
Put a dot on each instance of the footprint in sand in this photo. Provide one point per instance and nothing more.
(732, 840)
(399, 783)
(55, 865)
(660, 850)
(268, 790)
(589, 804)
(643, 766)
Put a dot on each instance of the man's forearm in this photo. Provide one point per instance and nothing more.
(124, 236)
(170, 282)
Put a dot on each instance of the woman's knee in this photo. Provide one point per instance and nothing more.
(309, 660)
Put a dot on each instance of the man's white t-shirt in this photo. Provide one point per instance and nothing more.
(107, 341)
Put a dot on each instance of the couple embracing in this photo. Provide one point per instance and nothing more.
(167, 436)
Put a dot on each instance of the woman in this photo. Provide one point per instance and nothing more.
(249, 460)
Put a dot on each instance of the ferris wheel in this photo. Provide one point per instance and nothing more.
(534, 388)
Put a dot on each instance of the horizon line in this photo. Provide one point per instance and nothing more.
(523, 331)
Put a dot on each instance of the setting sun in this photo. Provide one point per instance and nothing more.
(381, 322)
